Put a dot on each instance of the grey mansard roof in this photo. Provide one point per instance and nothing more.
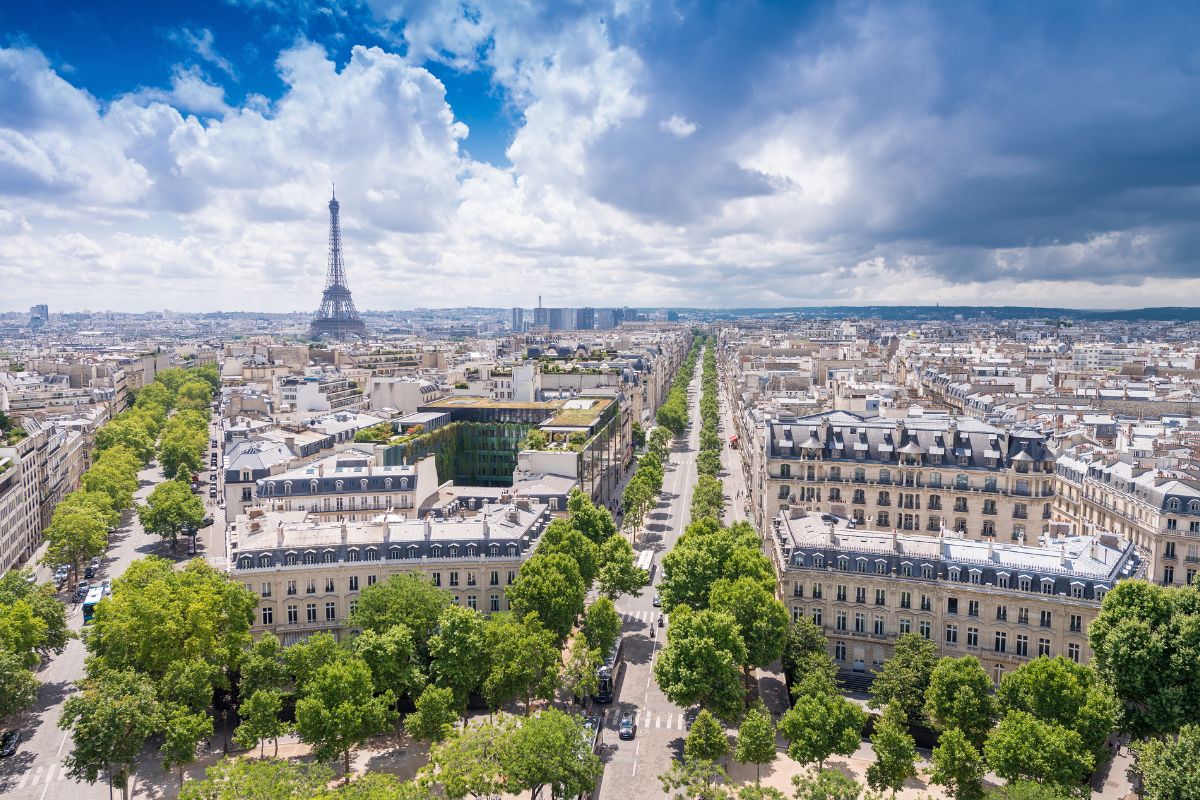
(347, 472)
(959, 441)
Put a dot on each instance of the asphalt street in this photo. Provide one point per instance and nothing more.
(36, 770)
(632, 767)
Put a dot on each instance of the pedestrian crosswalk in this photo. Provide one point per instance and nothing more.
(669, 721)
(40, 775)
(639, 616)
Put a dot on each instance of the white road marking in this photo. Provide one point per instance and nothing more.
(60, 745)
(635, 768)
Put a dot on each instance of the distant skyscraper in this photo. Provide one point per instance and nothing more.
(39, 314)
(539, 314)
(337, 317)
(518, 320)
(556, 318)
(585, 319)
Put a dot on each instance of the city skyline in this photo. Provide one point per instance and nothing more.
(624, 154)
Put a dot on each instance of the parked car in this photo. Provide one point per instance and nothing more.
(626, 728)
(206, 522)
(89, 571)
(81, 589)
(8, 743)
(657, 601)
(212, 490)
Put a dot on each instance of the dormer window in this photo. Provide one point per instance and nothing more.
(387, 483)
(403, 484)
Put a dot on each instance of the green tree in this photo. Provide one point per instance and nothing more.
(1024, 747)
(109, 722)
(97, 504)
(258, 779)
(468, 761)
(895, 751)
(18, 686)
(303, 659)
(1143, 647)
(826, 784)
(762, 620)
(115, 474)
(260, 720)
(756, 739)
(691, 779)
(708, 498)
(536, 440)
(1170, 767)
(392, 658)
(820, 725)
(189, 684)
(193, 394)
(523, 658)
(957, 765)
(806, 650)
(593, 521)
(458, 652)
(708, 463)
(905, 676)
(339, 710)
(560, 537)
(619, 573)
(262, 667)
(706, 739)
(754, 791)
(158, 615)
(181, 453)
(959, 697)
(579, 676)
(601, 624)
(53, 631)
(1031, 790)
(22, 632)
(1059, 690)
(550, 749)
(170, 510)
(636, 501)
(551, 587)
(700, 663)
(154, 394)
(74, 536)
(406, 599)
(436, 711)
(183, 731)
(637, 435)
(125, 432)
(377, 786)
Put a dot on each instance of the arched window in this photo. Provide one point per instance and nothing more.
(494, 550)
(310, 557)
(452, 551)
(413, 551)
(339, 485)
(353, 555)
(265, 560)
(387, 484)
(435, 551)
(403, 484)
(372, 554)
(843, 563)
(362, 485)
(1173, 504)
(287, 487)
(472, 551)
(245, 562)
(291, 559)
(961, 481)
(512, 549)
(395, 553)
(328, 556)
(1194, 505)
(271, 487)
(312, 486)
(819, 561)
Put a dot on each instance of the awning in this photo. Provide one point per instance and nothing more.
(934, 450)
(861, 446)
(885, 448)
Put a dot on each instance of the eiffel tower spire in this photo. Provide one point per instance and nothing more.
(337, 317)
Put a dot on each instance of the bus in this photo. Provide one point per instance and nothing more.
(645, 562)
(94, 596)
(608, 673)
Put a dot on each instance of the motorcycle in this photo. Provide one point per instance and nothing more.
(660, 620)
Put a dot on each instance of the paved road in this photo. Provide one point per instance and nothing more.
(632, 767)
(36, 771)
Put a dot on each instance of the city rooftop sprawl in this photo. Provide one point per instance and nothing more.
(970, 481)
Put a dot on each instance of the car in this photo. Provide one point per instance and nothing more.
(206, 522)
(81, 590)
(62, 571)
(8, 743)
(89, 571)
(106, 585)
(657, 601)
(212, 490)
(626, 728)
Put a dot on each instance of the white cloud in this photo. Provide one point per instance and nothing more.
(202, 43)
(678, 126)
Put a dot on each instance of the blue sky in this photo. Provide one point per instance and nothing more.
(627, 152)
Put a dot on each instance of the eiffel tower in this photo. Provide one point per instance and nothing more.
(337, 318)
